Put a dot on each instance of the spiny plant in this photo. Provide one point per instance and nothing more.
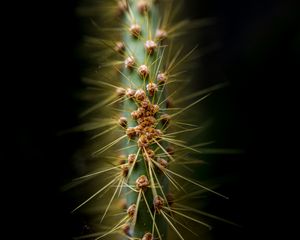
(143, 137)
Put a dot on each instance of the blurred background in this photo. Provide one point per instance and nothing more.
(257, 43)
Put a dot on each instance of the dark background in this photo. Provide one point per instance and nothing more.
(258, 40)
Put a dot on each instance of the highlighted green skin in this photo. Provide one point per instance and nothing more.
(136, 47)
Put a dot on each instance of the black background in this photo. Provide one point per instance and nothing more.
(259, 42)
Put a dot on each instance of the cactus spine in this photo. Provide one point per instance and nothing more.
(140, 129)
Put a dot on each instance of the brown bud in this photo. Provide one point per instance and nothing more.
(165, 119)
(119, 47)
(122, 203)
(152, 88)
(129, 62)
(169, 103)
(158, 133)
(125, 170)
(135, 30)
(143, 6)
(131, 210)
(138, 129)
(130, 132)
(161, 34)
(120, 92)
(141, 110)
(162, 162)
(149, 121)
(140, 95)
(126, 229)
(145, 104)
(142, 182)
(143, 71)
(147, 236)
(130, 93)
(143, 141)
(121, 159)
(123, 122)
(158, 203)
(170, 150)
(155, 108)
(135, 115)
(150, 46)
(170, 198)
(122, 7)
(161, 78)
(131, 158)
(148, 154)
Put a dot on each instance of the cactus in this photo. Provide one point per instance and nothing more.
(139, 135)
